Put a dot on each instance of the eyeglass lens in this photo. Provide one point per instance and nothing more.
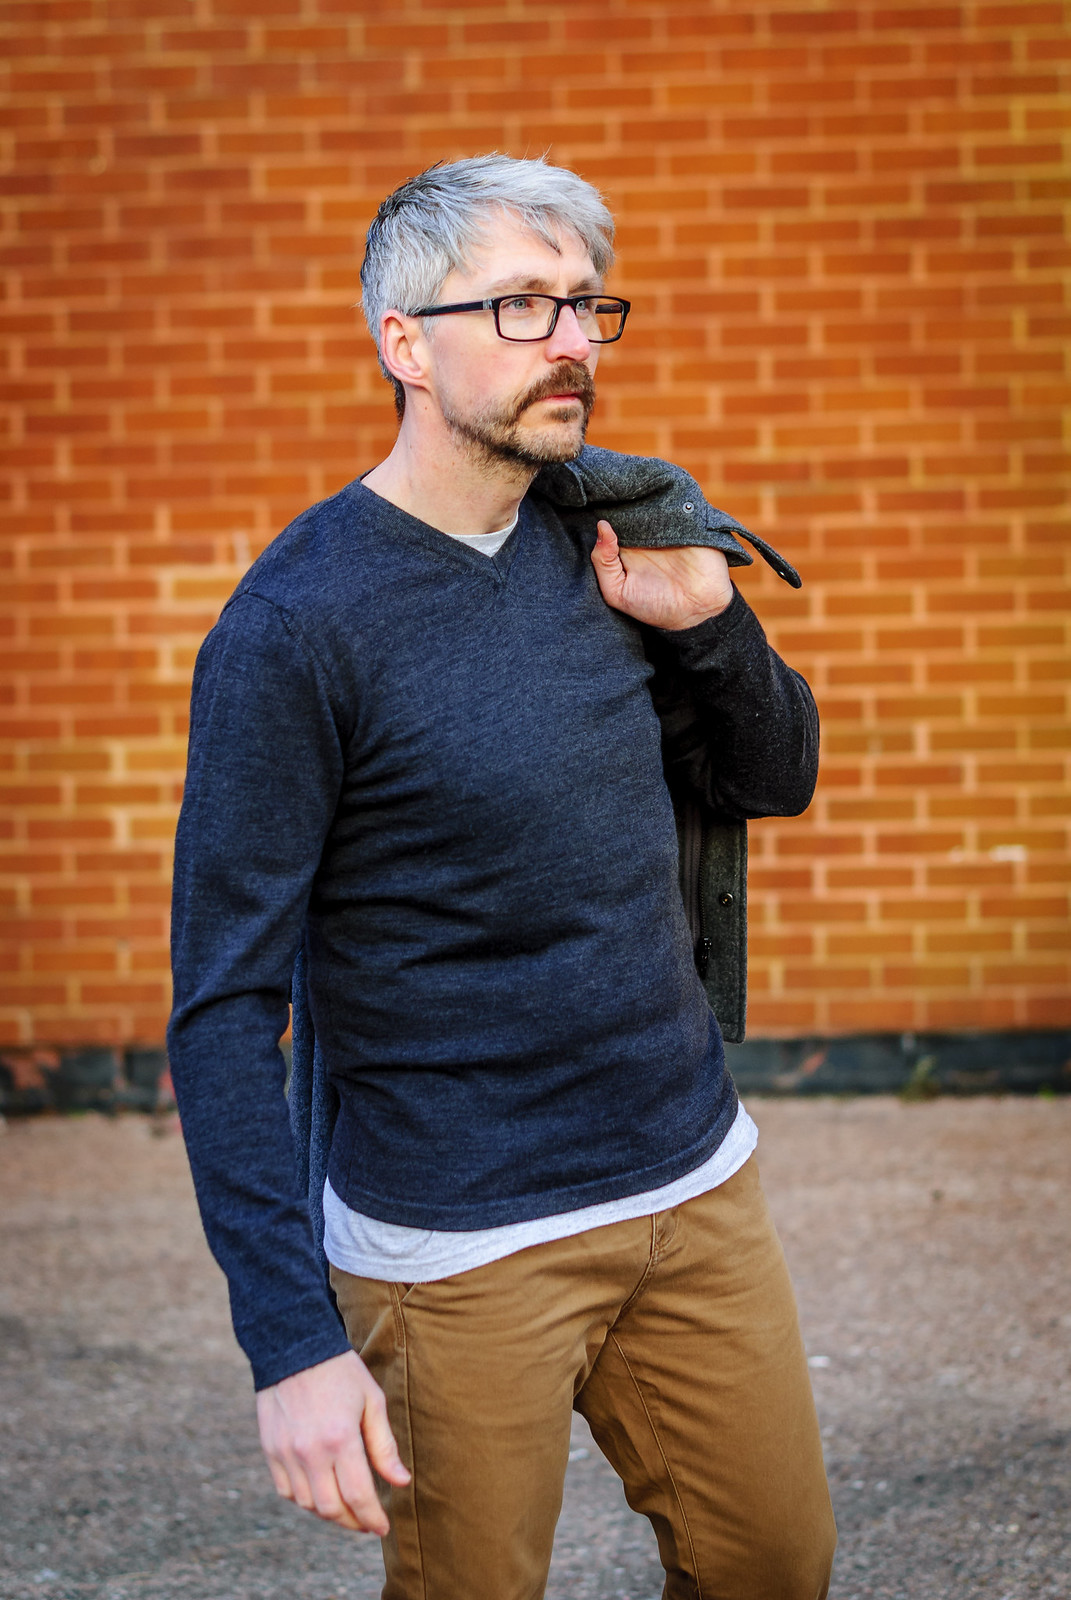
(530, 316)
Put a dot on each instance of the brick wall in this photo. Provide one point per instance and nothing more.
(843, 228)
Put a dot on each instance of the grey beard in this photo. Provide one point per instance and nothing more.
(496, 433)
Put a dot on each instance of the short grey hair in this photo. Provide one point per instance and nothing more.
(431, 225)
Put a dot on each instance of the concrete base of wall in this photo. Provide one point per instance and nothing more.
(96, 1078)
(917, 1066)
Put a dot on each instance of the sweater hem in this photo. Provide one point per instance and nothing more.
(496, 1212)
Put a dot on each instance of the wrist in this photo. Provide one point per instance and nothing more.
(697, 617)
(709, 624)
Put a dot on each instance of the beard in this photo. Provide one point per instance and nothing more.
(496, 434)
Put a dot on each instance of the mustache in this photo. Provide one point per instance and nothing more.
(570, 378)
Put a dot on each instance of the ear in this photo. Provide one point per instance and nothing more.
(404, 349)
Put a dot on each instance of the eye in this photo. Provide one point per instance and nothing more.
(518, 302)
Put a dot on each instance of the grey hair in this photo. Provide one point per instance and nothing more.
(430, 226)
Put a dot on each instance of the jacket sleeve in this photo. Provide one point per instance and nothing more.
(265, 766)
(740, 728)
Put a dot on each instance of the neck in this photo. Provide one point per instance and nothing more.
(447, 485)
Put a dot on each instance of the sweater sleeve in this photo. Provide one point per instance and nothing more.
(265, 766)
(740, 728)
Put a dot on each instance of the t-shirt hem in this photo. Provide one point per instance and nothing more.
(430, 1256)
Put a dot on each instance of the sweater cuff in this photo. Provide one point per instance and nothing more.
(712, 630)
(271, 1366)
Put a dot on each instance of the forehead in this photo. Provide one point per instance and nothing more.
(507, 251)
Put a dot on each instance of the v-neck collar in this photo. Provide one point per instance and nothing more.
(444, 544)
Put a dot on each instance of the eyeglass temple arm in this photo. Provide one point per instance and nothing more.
(442, 311)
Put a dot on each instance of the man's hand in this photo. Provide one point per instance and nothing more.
(320, 1429)
(674, 588)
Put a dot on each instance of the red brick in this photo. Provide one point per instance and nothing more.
(961, 465)
(962, 51)
(886, 123)
(970, 192)
(867, 263)
(1020, 155)
(923, 909)
(1019, 223)
(1008, 85)
(816, 161)
(781, 1017)
(915, 18)
(859, 673)
(144, 146)
(871, 809)
(250, 8)
(815, 911)
(68, 81)
(974, 602)
(767, 197)
(921, 500)
(262, 141)
(704, 23)
(827, 976)
(752, 128)
(934, 87)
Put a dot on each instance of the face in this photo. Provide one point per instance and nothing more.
(522, 403)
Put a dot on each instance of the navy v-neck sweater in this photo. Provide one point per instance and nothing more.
(445, 772)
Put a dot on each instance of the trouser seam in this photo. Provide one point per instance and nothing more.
(665, 1462)
(404, 1342)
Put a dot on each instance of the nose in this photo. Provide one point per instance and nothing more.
(568, 339)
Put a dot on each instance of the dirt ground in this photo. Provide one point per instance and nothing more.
(930, 1247)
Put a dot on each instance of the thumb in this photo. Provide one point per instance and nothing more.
(606, 551)
(606, 559)
(379, 1442)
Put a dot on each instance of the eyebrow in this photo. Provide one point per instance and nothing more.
(537, 285)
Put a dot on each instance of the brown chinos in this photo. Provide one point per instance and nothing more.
(675, 1336)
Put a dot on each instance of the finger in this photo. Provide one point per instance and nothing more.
(358, 1493)
(331, 1504)
(280, 1478)
(300, 1487)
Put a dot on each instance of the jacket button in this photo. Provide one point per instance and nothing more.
(688, 506)
(725, 899)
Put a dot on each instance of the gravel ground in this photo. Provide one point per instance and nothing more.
(929, 1245)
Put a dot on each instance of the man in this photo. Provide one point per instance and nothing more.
(425, 751)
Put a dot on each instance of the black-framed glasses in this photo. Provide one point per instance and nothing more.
(529, 318)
